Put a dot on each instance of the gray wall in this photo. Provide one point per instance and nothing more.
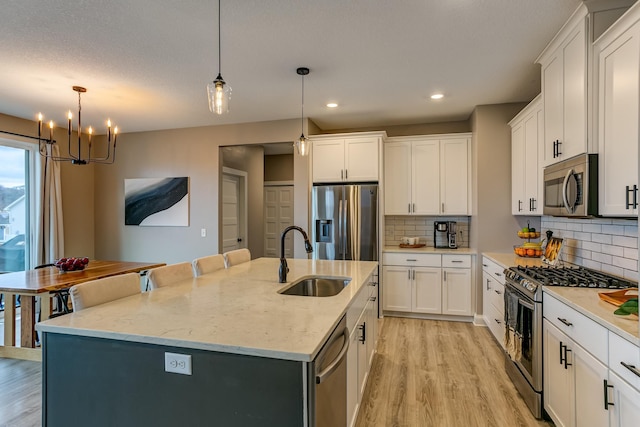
(493, 228)
(192, 152)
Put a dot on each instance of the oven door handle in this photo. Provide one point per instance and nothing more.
(526, 304)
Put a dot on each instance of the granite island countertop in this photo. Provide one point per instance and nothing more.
(584, 300)
(236, 310)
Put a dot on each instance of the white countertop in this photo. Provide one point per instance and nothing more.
(431, 250)
(237, 310)
(584, 300)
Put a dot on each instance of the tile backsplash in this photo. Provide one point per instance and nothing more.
(397, 227)
(604, 244)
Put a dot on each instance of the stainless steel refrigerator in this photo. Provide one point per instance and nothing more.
(345, 222)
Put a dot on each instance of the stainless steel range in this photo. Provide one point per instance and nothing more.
(523, 318)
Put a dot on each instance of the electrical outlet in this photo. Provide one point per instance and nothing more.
(177, 363)
(203, 232)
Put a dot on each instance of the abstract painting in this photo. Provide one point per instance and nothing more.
(156, 201)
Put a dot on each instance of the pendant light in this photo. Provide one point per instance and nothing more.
(302, 145)
(218, 91)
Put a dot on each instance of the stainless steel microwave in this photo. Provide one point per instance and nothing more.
(571, 187)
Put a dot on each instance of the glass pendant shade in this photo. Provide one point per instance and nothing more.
(302, 145)
(219, 94)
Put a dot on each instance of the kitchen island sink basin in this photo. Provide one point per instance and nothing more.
(317, 286)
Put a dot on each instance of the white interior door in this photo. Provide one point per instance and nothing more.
(232, 237)
(278, 214)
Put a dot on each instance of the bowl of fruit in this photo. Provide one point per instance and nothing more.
(529, 250)
(528, 233)
(71, 264)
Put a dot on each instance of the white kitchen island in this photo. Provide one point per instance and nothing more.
(250, 348)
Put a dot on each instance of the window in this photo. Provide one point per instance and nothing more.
(16, 197)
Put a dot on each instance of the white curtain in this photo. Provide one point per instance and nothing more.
(49, 228)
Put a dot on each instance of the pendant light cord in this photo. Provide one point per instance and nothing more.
(219, 41)
(302, 108)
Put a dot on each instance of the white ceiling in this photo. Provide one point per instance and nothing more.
(146, 63)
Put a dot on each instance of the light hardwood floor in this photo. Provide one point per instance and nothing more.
(435, 373)
(20, 393)
(426, 373)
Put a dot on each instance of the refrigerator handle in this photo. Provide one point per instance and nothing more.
(345, 242)
(340, 219)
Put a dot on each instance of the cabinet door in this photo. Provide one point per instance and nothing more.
(626, 399)
(372, 320)
(363, 357)
(397, 178)
(361, 159)
(589, 379)
(454, 172)
(517, 170)
(531, 179)
(427, 290)
(396, 288)
(425, 177)
(552, 94)
(328, 160)
(352, 378)
(456, 292)
(574, 92)
(619, 96)
(559, 387)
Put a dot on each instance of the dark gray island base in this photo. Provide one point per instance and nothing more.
(102, 382)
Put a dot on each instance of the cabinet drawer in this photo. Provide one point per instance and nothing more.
(411, 259)
(496, 296)
(494, 269)
(584, 331)
(357, 306)
(456, 261)
(622, 351)
(495, 322)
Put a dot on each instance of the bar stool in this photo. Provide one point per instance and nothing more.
(208, 264)
(170, 274)
(100, 291)
(236, 257)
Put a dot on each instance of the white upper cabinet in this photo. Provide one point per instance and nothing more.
(346, 157)
(617, 64)
(526, 169)
(564, 91)
(427, 175)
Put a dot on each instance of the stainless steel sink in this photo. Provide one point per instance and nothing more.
(317, 286)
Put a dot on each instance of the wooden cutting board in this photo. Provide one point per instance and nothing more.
(618, 298)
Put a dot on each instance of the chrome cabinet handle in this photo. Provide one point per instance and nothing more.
(443, 208)
(342, 174)
(333, 365)
(346, 174)
(409, 207)
(606, 395)
(632, 368)
(565, 321)
(519, 205)
(488, 287)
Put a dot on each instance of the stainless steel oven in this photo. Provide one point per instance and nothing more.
(571, 187)
(523, 343)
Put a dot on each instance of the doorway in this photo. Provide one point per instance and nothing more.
(234, 209)
(278, 215)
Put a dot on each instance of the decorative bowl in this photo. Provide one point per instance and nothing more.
(71, 264)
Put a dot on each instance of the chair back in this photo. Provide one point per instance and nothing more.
(170, 274)
(100, 291)
(236, 257)
(208, 264)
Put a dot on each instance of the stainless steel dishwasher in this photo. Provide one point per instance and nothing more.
(330, 377)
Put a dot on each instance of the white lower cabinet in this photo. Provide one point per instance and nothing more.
(362, 322)
(493, 298)
(418, 283)
(582, 385)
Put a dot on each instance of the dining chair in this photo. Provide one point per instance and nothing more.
(169, 274)
(208, 264)
(100, 291)
(236, 257)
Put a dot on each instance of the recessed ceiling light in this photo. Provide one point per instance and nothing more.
(332, 105)
(437, 96)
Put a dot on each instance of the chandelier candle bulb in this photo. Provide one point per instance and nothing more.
(51, 130)
(109, 130)
(39, 125)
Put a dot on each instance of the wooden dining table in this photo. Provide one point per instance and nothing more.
(44, 283)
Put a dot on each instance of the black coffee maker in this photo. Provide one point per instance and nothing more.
(444, 234)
